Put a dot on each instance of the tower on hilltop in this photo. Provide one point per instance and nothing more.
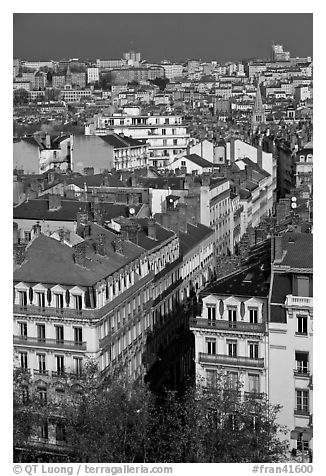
(258, 112)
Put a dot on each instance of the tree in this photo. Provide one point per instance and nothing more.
(160, 82)
(21, 96)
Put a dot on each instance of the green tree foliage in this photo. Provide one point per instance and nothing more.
(160, 82)
(112, 419)
(21, 96)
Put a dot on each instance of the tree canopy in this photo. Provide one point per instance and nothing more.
(112, 419)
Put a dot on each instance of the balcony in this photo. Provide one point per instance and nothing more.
(32, 310)
(301, 373)
(222, 359)
(40, 372)
(298, 301)
(49, 343)
(239, 326)
(301, 412)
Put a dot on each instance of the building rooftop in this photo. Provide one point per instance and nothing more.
(49, 261)
(252, 281)
(195, 234)
(196, 159)
(298, 249)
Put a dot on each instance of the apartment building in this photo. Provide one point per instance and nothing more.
(230, 334)
(97, 302)
(42, 152)
(291, 337)
(166, 135)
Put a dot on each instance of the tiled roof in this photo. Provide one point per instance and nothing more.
(121, 142)
(195, 234)
(162, 234)
(196, 159)
(51, 262)
(175, 183)
(96, 180)
(253, 281)
(38, 209)
(299, 250)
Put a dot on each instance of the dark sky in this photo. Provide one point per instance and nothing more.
(175, 36)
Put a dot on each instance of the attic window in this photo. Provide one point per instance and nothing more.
(248, 278)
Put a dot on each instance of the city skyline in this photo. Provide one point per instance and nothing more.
(213, 36)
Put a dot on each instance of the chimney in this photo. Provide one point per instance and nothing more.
(19, 253)
(54, 202)
(88, 170)
(118, 243)
(205, 180)
(79, 254)
(100, 244)
(61, 235)
(260, 157)
(232, 150)
(15, 233)
(67, 235)
(249, 169)
(37, 229)
(182, 212)
(151, 224)
(47, 141)
(278, 248)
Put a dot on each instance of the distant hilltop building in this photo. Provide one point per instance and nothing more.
(278, 54)
(258, 112)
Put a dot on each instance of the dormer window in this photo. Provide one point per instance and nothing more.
(40, 299)
(22, 298)
(58, 301)
(253, 316)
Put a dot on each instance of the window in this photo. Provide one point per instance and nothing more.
(42, 394)
(232, 315)
(77, 365)
(43, 431)
(59, 334)
(211, 378)
(27, 235)
(303, 286)
(302, 325)
(253, 350)
(211, 346)
(253, 383)
(232, 348)
(22, 298)
(302, 401)
(183, 163)
(40, 298)
(211, 312)
(301, 444)
(233, 380)
(253, 316)
(175, 141)
(58, 301)
(78, 335)
(41, 363)
(23, 360)
(23, 330)
(60, 364)
(40, 332)
(301, 362)
(78, 302)
(60, 432)
(163, 132)
(165, 142)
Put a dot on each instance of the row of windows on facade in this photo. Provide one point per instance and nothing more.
(232, 348)
(59, 333)
(301, 395)
(42, 367)
(232, 314)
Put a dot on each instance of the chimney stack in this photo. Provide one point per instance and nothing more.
(47, 141)
(100, 244)
(54, 202)
(151, 224)
(260, 157)
(278, 248)
(19, 253)
(79, 254)
(15, 233)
